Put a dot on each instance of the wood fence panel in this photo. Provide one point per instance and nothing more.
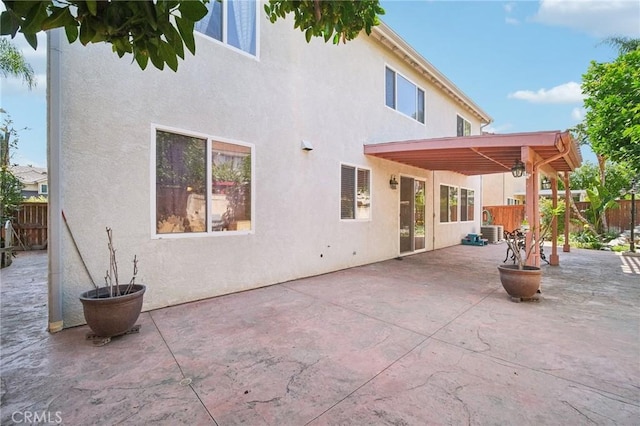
(618, 219)
(508, 216)
(31, 226)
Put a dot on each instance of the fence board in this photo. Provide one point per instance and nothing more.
(508, 216)
(31, 226)
(618, 219)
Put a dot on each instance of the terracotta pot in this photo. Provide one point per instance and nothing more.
(520, 283)
(112, 316)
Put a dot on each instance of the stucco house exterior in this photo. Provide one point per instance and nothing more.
(246, 167)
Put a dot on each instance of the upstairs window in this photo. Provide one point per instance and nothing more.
(464, 127)
(404, 96)
(44, 189)
(232, 22)
(355, 193)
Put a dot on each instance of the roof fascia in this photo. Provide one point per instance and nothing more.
(387, 37)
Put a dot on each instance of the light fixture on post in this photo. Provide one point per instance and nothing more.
(518, 169)
(546, 183)
(393, 183)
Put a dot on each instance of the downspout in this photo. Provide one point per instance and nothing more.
(54, 247)
(536, 166)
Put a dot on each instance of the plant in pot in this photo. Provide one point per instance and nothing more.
(519, 280)
(113, 310)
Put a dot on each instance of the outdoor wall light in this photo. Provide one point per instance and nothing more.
(393, 183)
(518, 169)
(546, 183)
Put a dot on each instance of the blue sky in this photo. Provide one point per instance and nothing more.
(520, 61)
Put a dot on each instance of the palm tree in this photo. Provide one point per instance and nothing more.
(12, 62)
(624, 44)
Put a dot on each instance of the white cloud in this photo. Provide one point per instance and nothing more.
(578, 113)
(497, 129)
(567, 93)
(600, 18)
(509, 8)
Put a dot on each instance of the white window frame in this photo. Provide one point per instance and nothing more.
(40, 186)
(355, 213)
(210, 140)
(467, 205)
(224, 42)
(395, 95)
(464, 123)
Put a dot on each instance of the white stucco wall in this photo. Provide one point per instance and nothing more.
(332, 96)
(497, 187)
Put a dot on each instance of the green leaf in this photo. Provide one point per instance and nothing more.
(168, 55)
(142, 60)
(32, 39)
(154, 55)
(92, 6)
(185, 28)
(87, 33)
(72, 32)
(60, 17)
(308, 34)
(37, 14)
(193, 10)
(8, 25)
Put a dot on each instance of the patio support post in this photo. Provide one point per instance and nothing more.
(567, 213)
(554, 259)
(531, 205)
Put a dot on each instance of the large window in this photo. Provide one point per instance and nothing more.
(467, 204)
(232, 22)
(355, 193)
(404, 96)
(182, 165)
(448, 204)
(463, 127)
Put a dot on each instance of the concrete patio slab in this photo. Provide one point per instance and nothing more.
(430, 339)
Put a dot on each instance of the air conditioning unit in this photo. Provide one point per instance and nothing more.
(490, 233)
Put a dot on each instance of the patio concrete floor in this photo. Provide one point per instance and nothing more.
(431, 339)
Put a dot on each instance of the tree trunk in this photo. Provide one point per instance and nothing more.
(603, 213)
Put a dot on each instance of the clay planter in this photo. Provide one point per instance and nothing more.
(112, 316)
(520, 283)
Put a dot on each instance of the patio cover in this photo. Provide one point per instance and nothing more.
(547, 152)
(483, 154)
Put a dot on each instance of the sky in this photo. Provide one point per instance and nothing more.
(521, 61)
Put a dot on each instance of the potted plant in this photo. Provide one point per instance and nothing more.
(113, 310)
(519, 280)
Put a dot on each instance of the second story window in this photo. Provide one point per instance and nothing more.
(232, 22)
(464, 127)
(404, 96)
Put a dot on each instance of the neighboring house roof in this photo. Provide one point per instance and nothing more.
(387, 37)
(30, 175)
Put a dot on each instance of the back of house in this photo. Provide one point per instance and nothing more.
(246, 167)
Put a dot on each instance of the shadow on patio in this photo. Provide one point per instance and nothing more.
(429, 339)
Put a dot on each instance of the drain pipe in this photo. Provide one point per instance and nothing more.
(54, 247)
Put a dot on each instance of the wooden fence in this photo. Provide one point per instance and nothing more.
(618, 219)
(31, 226)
